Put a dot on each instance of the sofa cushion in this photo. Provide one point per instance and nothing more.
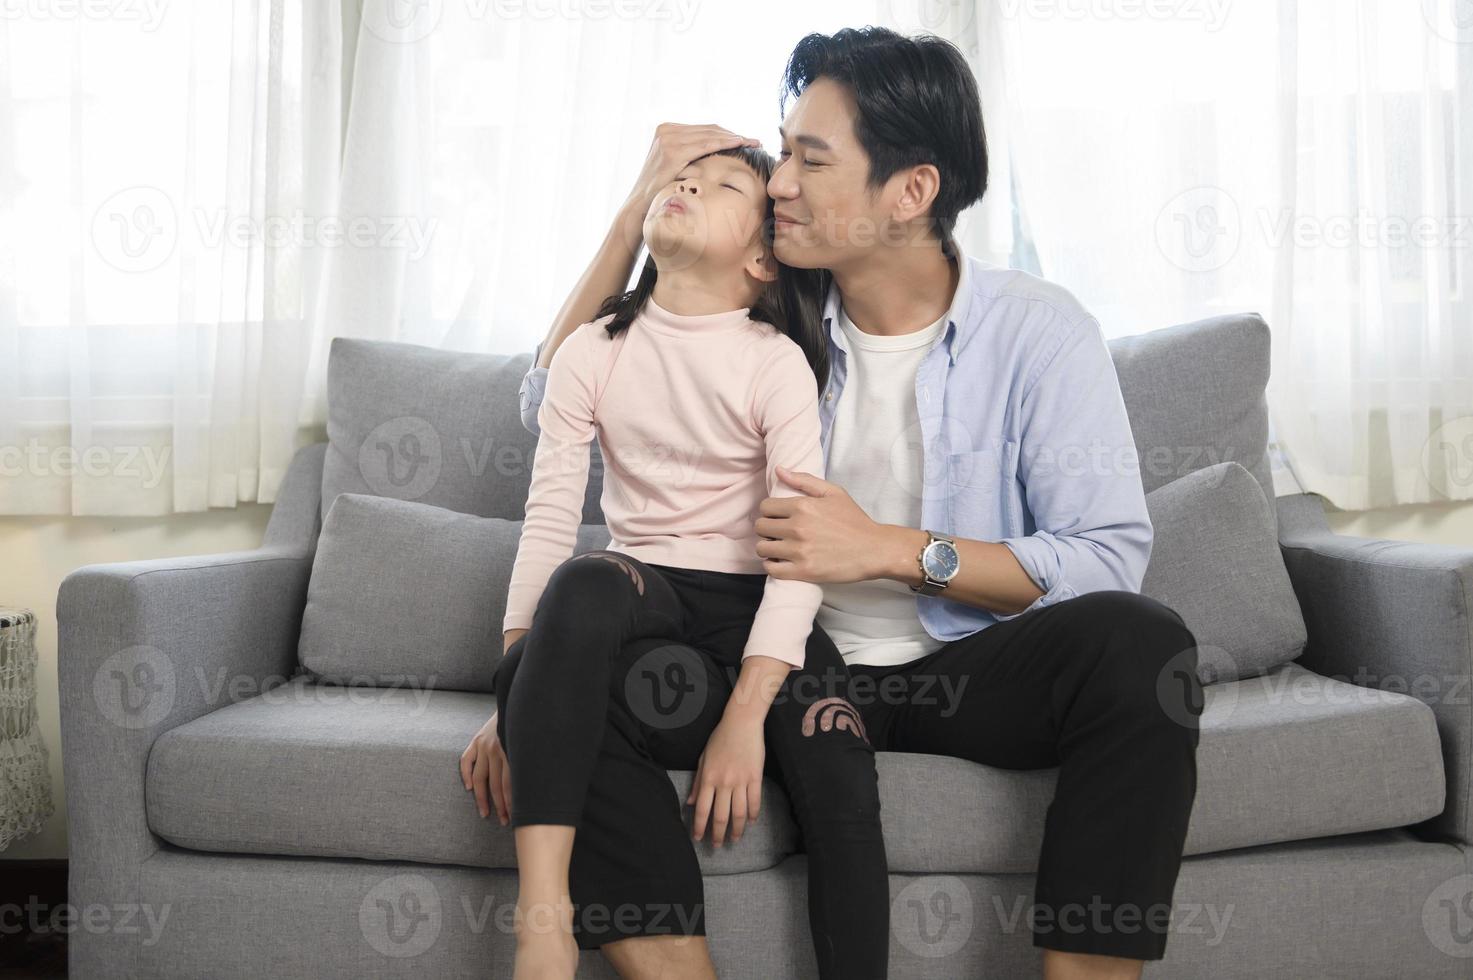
(411, 595)
(1215, 559)
(1195, 397)
(311, 769)
(438, 426)
(1288, 755)
(307, 769)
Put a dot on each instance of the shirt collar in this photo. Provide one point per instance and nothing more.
(961, 305)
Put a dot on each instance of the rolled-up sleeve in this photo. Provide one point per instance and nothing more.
(534, 388)
(1081, 476)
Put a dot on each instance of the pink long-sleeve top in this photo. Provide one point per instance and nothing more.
(693, 417)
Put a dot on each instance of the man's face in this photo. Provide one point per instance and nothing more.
(823, 211)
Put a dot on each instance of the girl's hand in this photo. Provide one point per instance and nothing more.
(483, 767)
(510, 637)
(728, 783)
(675, 145)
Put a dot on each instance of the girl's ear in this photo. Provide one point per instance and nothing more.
(762, 265)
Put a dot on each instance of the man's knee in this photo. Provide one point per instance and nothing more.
(1133, 621)
(1148, 655)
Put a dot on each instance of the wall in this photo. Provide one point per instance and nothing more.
(36, 553)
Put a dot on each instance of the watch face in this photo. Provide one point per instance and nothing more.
(941, 560)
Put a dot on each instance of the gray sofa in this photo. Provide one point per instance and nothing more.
(241, 805)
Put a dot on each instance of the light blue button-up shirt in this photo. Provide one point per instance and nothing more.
(1025, 440)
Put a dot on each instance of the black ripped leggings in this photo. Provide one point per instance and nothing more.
(623, 675)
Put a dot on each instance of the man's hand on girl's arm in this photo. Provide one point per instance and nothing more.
(824, 536)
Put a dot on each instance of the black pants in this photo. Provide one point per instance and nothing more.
(623, 675)
(1102, 685)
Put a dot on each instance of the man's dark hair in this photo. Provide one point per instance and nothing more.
(917, 102)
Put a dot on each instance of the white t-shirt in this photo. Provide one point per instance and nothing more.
(875, 454)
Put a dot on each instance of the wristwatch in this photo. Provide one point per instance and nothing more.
(939, 563)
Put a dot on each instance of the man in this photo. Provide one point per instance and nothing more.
(983, 529)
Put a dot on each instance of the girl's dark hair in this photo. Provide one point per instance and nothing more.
(793, 302)
(917, 102)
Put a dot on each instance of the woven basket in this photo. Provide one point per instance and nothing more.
(25, 776)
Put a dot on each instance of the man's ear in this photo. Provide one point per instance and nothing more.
(919, 187)
(762, 265)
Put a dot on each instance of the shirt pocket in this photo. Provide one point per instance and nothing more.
(982, 490)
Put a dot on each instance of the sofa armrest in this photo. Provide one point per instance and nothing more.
(1392, 615)
(145, 646)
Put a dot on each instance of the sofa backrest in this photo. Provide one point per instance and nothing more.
(444, 427)
(436, 426)
(1196, 396)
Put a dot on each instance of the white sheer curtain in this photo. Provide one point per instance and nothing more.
(195, 197)
(194, 200)
(1310, 160)
(153, 292)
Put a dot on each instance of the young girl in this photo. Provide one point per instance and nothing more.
(671, 649)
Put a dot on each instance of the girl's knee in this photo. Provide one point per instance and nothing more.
(592, 591)
(506, 670)
(593, 569)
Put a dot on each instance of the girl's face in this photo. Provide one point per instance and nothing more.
(711, 215)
